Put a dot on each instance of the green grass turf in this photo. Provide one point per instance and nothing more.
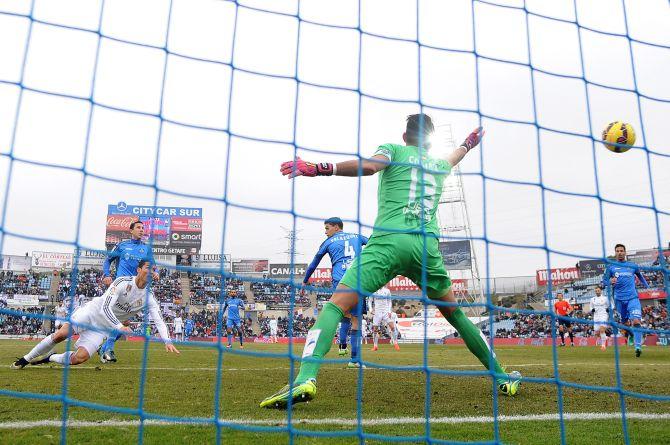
(184, 385)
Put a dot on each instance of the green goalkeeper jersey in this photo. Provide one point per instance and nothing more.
(409, 190)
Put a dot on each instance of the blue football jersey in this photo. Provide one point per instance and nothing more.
(127, 255)
(625, 272)
(342, 248)
(234, 305)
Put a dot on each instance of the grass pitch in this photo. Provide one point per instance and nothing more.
(394, 402)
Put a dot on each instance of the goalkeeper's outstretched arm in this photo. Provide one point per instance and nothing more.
(354, 167)
(468, 144)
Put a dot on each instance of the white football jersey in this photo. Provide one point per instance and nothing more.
(382, 301)
(178, 324)
(600, 304)
(61, 311)
(122, 301)
(273, 324)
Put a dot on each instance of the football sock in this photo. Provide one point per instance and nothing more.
(41, 348)
(109, 344)
(355, 342)
(61, 358)
(474, 340)
(345, 325)
(318, 341)
(230, 339)
(241, 337)
(394, 336)
(572, 338)
(375, 338)
(603, 339)
(637, 335)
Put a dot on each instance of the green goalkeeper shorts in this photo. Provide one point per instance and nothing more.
(394, 254)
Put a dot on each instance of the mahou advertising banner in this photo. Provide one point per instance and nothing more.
(321, 275)
(558, 276)
(173, 230)
(401, 283)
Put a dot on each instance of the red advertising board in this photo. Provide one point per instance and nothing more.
(652, 294)
(186, 225)
(399, 283)
(321, 275)
(558, 276)
(120, 223)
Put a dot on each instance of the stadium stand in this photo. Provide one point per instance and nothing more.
(276, 296)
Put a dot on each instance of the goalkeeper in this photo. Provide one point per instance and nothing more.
(404, 242)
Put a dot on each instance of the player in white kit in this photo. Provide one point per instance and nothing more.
(61, 312)
(600, 307)
(382, 307)
(125, 298)
(364, 330)
(179, 328)
(273, 330)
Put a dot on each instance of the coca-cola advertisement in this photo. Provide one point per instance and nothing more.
(558, 276)
(170, 230)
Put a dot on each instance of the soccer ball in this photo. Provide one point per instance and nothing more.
(619, 133)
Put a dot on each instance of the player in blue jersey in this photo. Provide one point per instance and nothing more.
(126, 255)
(342, 247)
(233, 320)
(188, 328)
(621, 275)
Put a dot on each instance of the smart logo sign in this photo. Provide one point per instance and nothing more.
(173, 230)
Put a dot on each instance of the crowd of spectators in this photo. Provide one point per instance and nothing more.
(168, 287)
(205, 324)
(89, 284)
(656, 317)
(20, 325)
(301, 324)
(24, 283)
(277, 295)
(516, 325)
(206, 288)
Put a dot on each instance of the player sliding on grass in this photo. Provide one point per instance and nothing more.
(125, 298)
(404, 242)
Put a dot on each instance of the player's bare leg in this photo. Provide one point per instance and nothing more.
(394, 335)
(375, 338)
(603, 338)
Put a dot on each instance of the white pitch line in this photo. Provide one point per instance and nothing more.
(343, 421)
(285, 368)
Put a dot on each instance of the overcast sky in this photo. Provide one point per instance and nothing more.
(94, 146)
